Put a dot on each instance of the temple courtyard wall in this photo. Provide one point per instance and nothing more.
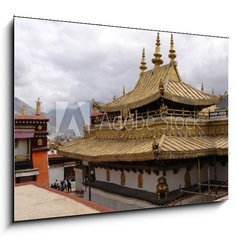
(174, 180)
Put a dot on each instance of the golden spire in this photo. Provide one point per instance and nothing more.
(123, 90)
(23, 110)
(172, 54)
(38, 107)
(157, 55)
(143, 66)
(202, 87)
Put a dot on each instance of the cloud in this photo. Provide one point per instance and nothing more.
(72, 62)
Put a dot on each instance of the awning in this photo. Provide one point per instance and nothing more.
(27, 172)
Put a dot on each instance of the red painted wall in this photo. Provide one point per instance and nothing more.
(40, 161)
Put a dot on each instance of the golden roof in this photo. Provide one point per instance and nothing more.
(147, 90)
(170, 147)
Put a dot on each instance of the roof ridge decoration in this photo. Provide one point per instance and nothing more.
(24, 110)
(157, 61)
(172, 54)
(124, 91)
(162, 81)
(38, 107)
(143, 66)
(162, 139)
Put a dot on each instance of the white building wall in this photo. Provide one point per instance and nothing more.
(173, 180)
(149, 182)
(100, 174)
(56, 172)
(131, 179)
(115, 176)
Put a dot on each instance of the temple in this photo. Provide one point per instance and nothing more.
(157, 142)
(30, 151)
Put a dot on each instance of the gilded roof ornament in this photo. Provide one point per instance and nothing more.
(143, 66)
(202, 87)
(124, 90)
(23, 110)
(172, 53)
(95, 105)
(157, 55)
(38, 107)
(161, 87)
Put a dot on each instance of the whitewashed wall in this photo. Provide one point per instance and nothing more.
(173, 180)
(150, 182)
(56, 172)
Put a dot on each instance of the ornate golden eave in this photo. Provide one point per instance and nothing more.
(98, 150)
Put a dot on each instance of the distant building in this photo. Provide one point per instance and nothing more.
(60, 167)
(30, 149)
(223, 103)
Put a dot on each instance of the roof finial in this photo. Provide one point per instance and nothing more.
(212, 92)
(157, 55)
(143, 66)
(38, 107)
(202, 87)
(23, 110)
(123, 90)
(114, 98)
(172, 54)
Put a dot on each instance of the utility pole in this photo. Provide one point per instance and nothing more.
(89, 180)
(199, 175)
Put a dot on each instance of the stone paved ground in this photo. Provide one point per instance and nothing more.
(32, 202)
(116, 202)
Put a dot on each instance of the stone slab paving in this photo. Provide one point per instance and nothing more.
(32, 202)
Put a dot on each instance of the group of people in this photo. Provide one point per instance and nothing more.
(66, 184)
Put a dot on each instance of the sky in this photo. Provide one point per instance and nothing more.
(69, 62)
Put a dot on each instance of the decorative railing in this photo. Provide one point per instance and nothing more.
(220, 113)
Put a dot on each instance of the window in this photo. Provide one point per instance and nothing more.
(69, 173)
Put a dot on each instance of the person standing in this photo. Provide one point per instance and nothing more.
(65, 184)
(69, 184)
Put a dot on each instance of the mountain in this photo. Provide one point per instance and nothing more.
(67, 125)
(18, 104)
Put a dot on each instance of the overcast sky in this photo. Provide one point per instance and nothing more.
(59, 61)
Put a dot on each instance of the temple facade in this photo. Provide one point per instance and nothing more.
(30, 150)
(156, 141)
